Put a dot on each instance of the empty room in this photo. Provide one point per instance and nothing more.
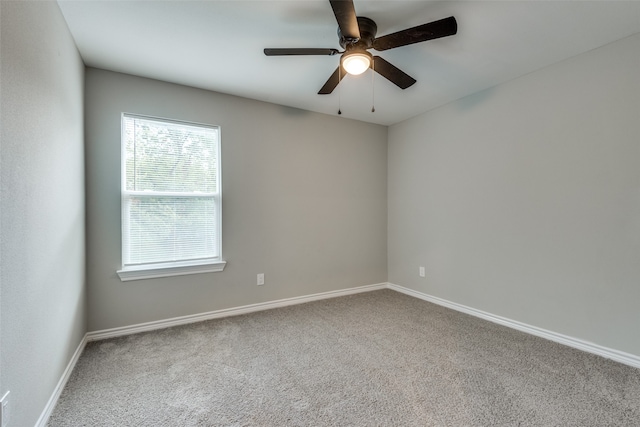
(319, 213)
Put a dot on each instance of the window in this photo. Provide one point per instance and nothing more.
(171, 198)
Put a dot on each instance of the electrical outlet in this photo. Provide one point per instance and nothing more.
(4, 410)
(422, 273)
(260, 279)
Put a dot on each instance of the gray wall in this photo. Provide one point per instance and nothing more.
(524, 200)
(304, 202)
(42, 259)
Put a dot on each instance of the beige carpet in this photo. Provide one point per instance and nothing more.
(374, 359)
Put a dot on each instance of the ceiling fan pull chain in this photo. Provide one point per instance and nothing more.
(339, 90)
(373, 87)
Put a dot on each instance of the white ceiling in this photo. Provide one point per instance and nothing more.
(218, 45)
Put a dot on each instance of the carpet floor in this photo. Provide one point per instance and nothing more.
(372, 359)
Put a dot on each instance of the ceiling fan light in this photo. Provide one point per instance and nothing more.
(356, 63)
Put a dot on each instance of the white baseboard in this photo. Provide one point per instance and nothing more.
(618, 356)
(51, 404)
(183, 320)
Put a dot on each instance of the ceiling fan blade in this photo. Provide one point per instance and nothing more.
(346, 16)
(299, 51)
(432, 30)
(392, 73)
(333, 81)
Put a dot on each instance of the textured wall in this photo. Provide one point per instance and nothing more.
(42, 216)
(524, 200)
(304, 202)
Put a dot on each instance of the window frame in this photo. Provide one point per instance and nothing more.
(168, 268)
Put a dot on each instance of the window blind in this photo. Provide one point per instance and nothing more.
(170, 191)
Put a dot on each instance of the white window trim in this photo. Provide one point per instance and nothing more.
(178, 268)
(148, 271)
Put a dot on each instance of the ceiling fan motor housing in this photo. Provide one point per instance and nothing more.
(368, 30)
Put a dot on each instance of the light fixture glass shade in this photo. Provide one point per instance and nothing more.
(356, 63)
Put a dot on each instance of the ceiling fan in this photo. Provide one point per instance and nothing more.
(357, 34)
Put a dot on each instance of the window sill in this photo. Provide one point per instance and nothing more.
(177, 269)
